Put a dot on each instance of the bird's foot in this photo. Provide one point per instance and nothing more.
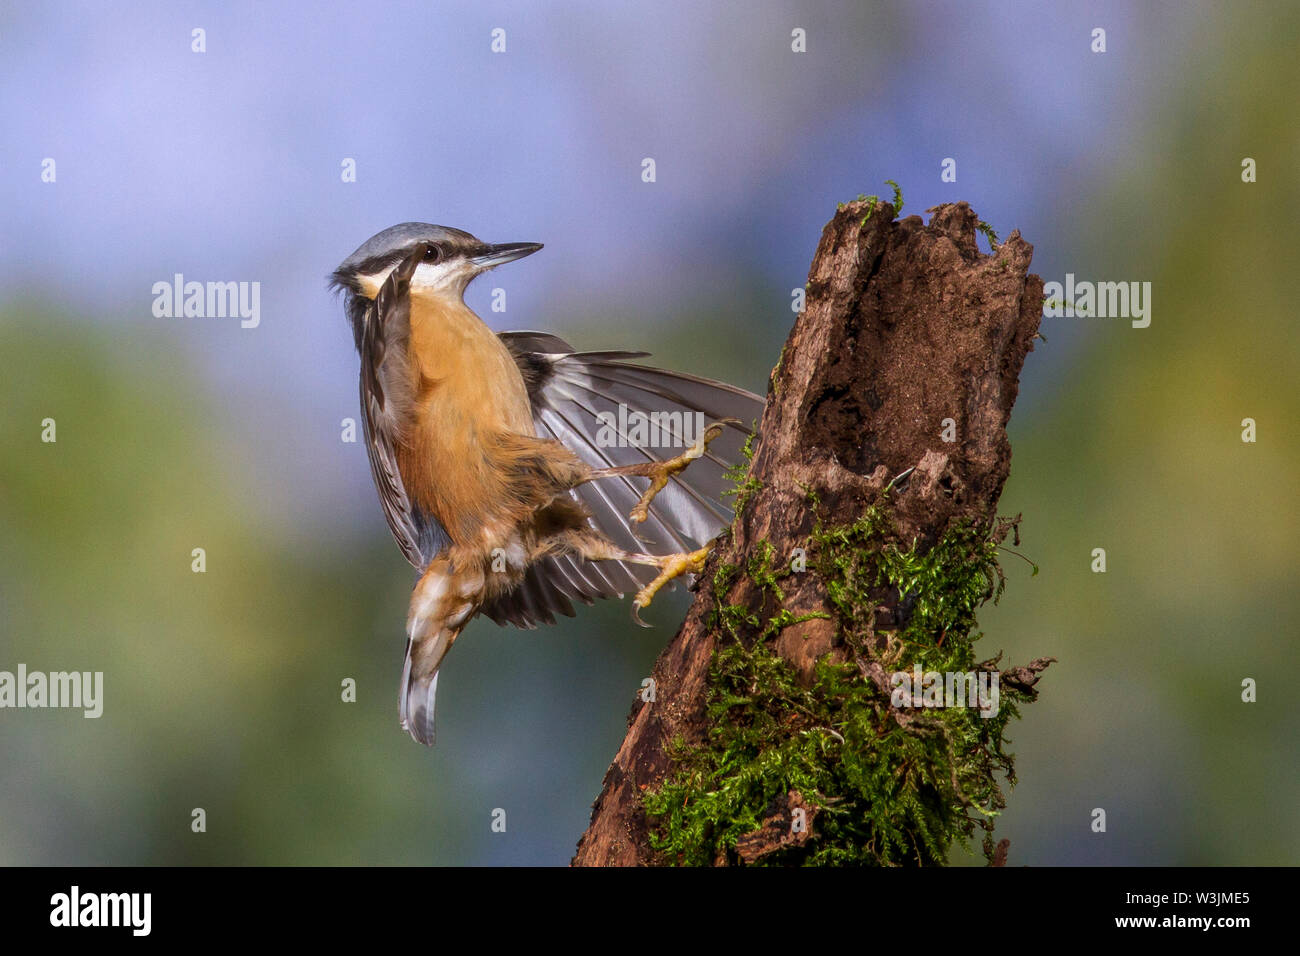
(670, 566)
(660, 471)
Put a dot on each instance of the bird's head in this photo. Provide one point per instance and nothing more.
(450, 260)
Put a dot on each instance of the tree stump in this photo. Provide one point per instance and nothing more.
(890, 402)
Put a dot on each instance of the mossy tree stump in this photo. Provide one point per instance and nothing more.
(866, 536)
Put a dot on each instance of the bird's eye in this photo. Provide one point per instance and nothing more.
(432, 253)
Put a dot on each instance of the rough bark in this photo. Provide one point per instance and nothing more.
(905, 325)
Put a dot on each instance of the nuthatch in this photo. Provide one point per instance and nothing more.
(504, 462)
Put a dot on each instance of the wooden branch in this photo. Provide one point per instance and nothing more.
(905, 326)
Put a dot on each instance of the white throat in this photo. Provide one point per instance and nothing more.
(438, 278)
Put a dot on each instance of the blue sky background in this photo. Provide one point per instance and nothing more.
(225, 165)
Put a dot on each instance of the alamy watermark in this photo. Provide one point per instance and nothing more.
(210, 300)
(129, 910)
(630, 428)
(975, 689)
(1101, 300)
(81, 690)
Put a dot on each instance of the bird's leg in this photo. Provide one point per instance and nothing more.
(595, 547)
(659, 471)
(670, 567)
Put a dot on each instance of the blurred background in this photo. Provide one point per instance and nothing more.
(223, 689)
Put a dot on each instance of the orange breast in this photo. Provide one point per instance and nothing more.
(470, 394)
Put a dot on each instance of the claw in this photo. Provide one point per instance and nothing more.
(666, 469)
(636, 615)
(671, 566)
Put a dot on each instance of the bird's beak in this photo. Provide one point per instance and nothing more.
(503, 252)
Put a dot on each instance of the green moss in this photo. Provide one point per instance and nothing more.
(898, 196)
(744, 486)
(989, 234)
(1063, 303)
(874, 201)
(776, 371)
(887, 787)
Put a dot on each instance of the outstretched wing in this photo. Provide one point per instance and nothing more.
(387, 408)
(576, 399)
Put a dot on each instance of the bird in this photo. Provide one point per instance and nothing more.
(505, 463)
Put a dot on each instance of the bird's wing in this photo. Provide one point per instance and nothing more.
(387, 407)
(568, 391)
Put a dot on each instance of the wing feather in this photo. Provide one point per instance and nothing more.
(387, 409)
(568, 391)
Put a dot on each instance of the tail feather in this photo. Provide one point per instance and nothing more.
(424, 654)
(417, 702)
(441, 606)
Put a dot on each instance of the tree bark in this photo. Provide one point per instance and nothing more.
(905, 327)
